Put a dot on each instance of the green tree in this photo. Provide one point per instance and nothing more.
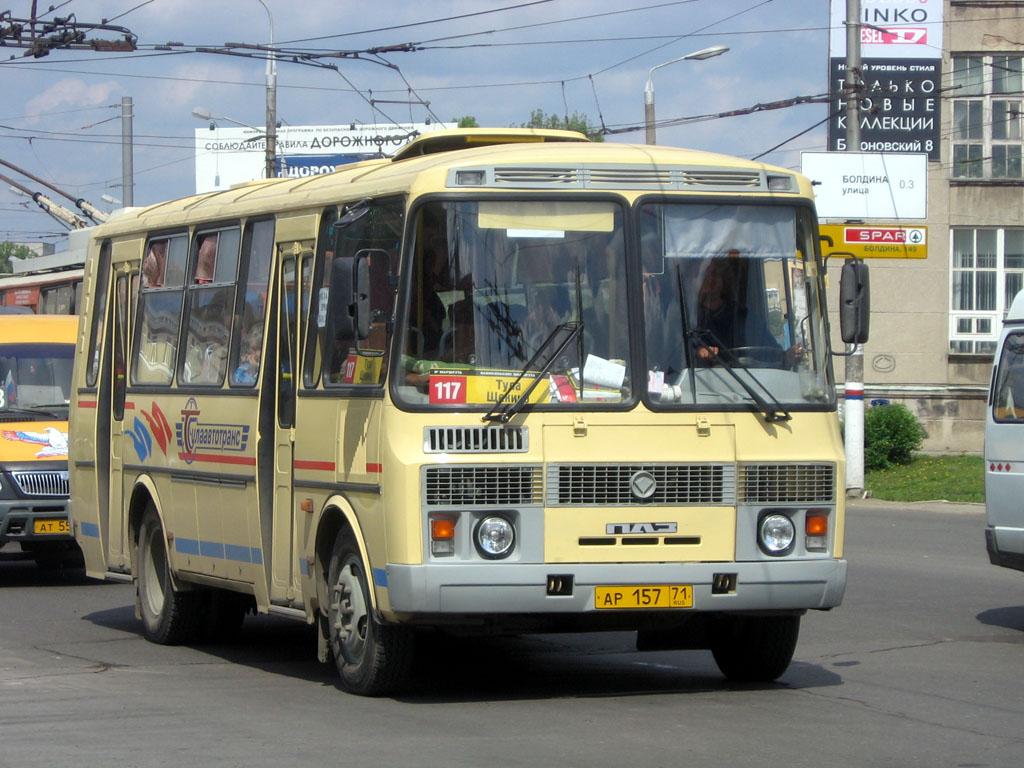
(466, 121)
(573, 122)
(9, 250)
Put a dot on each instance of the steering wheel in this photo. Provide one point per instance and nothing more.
(759, 357)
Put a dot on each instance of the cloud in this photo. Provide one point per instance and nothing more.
(71, 92)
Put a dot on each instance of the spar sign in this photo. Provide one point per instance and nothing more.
(878, 242)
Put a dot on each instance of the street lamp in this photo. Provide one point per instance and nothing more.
(704, 53)
(212, 117)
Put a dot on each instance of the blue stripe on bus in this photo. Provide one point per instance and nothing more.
(186, 546)
(380, 577)
(219, 551)
(235, 552)
(212, 549)
(91, 530)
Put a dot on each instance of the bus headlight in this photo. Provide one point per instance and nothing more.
(776, 534)
(494, 537)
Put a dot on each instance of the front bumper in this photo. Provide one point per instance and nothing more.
(492, 588)
(18, 519)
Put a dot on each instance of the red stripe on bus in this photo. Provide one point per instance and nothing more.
(210, 458)
(129, 406)
(374, 467)
(87, 403)
(325, 466)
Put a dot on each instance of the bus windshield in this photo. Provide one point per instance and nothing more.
(732, 311)
(494, 281)
(35, 376)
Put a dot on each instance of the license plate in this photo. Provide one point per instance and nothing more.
(51, 526)
(644, 596)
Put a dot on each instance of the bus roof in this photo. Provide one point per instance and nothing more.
(559, 155)
(467, 138)
(44, 329)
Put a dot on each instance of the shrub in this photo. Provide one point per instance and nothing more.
(891, 434)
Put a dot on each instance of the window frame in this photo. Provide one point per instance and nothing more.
(977, 152)
(972, 330)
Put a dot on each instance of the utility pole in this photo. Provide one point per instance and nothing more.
(127, 169)
(853, 400)
(270, 170)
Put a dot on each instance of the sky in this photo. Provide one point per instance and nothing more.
(496, 60)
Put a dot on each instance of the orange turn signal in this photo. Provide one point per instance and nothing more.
(442, 528)
(817, 525)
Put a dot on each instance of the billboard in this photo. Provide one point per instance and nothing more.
(226, 156)
(891, 29)
(901, 52)
(863, 185)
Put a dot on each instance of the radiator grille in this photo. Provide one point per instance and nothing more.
(610, 484)
(42, 483)
(787, 483)
(475, 440)
(483, 486)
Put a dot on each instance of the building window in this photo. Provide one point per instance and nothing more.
(988, 271)
(987, 108)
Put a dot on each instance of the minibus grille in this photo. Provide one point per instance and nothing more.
(627, 177)
(787, 483)
(475, 440)
(483, 486)
(42, 483)
(612, 484)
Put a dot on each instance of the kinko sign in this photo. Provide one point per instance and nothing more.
(901, 49)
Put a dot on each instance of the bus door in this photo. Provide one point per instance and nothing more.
(293, 294)
(117, 531)
(90, 428)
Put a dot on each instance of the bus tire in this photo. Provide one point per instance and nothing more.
(169, 616)
(755, 649)
(373, 659)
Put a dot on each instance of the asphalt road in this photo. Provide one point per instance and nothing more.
(921, 665)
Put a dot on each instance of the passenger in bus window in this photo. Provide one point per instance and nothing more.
(207, 259)
(249, 357)
(154, 263)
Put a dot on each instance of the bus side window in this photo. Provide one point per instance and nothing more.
(99, 312)
(159, 315)
(254, 280)
(1008, 402)
(209, 308)
(376, 236)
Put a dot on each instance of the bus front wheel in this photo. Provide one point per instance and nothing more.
(755, 648)
(169, 616)
(373, 659)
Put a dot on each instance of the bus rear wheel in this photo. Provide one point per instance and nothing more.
(169, 616)
(373, 659)
(754, 649)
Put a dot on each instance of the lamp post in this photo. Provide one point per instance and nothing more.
(271, 142)
(704, 53)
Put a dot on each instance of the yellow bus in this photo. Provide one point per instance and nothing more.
(36, 358)
(505, 381)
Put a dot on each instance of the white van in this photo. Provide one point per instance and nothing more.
(1004, 446)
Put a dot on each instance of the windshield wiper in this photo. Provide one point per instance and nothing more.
(35, 411)
(568, 332)
(773, 411)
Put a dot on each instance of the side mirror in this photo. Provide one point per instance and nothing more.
(348, 309)
(854, 302)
